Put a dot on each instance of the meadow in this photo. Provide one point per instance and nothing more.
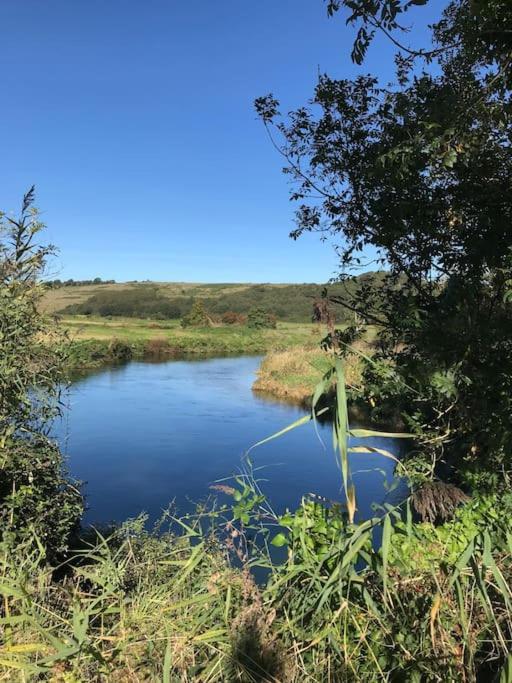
(93, 339)
(56, 299)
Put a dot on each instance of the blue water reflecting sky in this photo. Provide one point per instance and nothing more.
(144, 434)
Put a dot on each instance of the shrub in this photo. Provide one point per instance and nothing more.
(37, 503)
(197, 316)
(158, 346)
(119, 351)
(234, 318)
(259, 318)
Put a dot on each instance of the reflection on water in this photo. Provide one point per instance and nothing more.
(144, 434)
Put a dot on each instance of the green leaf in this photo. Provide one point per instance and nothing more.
(449, 158)
(506, 672)
(245, 518)
(385, 547)
(363, 433)
(166, 675)
(279, 540)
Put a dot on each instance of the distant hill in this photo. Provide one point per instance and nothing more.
(289, 302)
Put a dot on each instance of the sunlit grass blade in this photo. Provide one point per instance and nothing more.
(367, 433)
(372, 449)
(387, 531)
(298, 423)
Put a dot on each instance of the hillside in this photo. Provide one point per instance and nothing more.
(289, 302)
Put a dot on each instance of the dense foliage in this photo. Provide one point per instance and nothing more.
(420, 173)
(233, 318)
(429, 605)
(137, 302)
(36, 500)
(197, 316)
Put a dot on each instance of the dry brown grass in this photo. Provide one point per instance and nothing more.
(294, 373)
(158, 347)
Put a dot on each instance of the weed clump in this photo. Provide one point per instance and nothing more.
(437, 500)
(233, 318)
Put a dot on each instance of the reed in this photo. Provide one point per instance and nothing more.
(137, 606)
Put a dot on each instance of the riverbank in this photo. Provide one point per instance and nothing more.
(293, 365)
(140, 607)
(98, 341)
(292, 374)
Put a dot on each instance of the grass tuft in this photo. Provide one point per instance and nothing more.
(294, 373)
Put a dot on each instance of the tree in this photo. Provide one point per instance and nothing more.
(197, 316)
(258, 318)
(421, 174)
(36, 498)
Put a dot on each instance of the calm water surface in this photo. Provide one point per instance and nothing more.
(144, 434)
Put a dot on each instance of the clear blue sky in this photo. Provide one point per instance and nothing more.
(134, 119)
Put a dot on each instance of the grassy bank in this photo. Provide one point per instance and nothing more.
(140, 607)
(93, 339)
(292, 374)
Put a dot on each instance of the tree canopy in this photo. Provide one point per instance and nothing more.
(419, 173)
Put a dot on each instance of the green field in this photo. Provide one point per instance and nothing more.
(92, 337)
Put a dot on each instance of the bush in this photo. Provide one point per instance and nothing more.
(37, 503)
(158, 346)
(197, 316)
(233, 318)
(259, 319)
(119, 351)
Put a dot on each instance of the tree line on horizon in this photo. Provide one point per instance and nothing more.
(57, 283)
(291, 303)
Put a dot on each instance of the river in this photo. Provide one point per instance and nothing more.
(144, 434)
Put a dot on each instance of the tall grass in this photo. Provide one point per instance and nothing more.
(131, 607)
(356, 613)
(294, 373)
(184, 607)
